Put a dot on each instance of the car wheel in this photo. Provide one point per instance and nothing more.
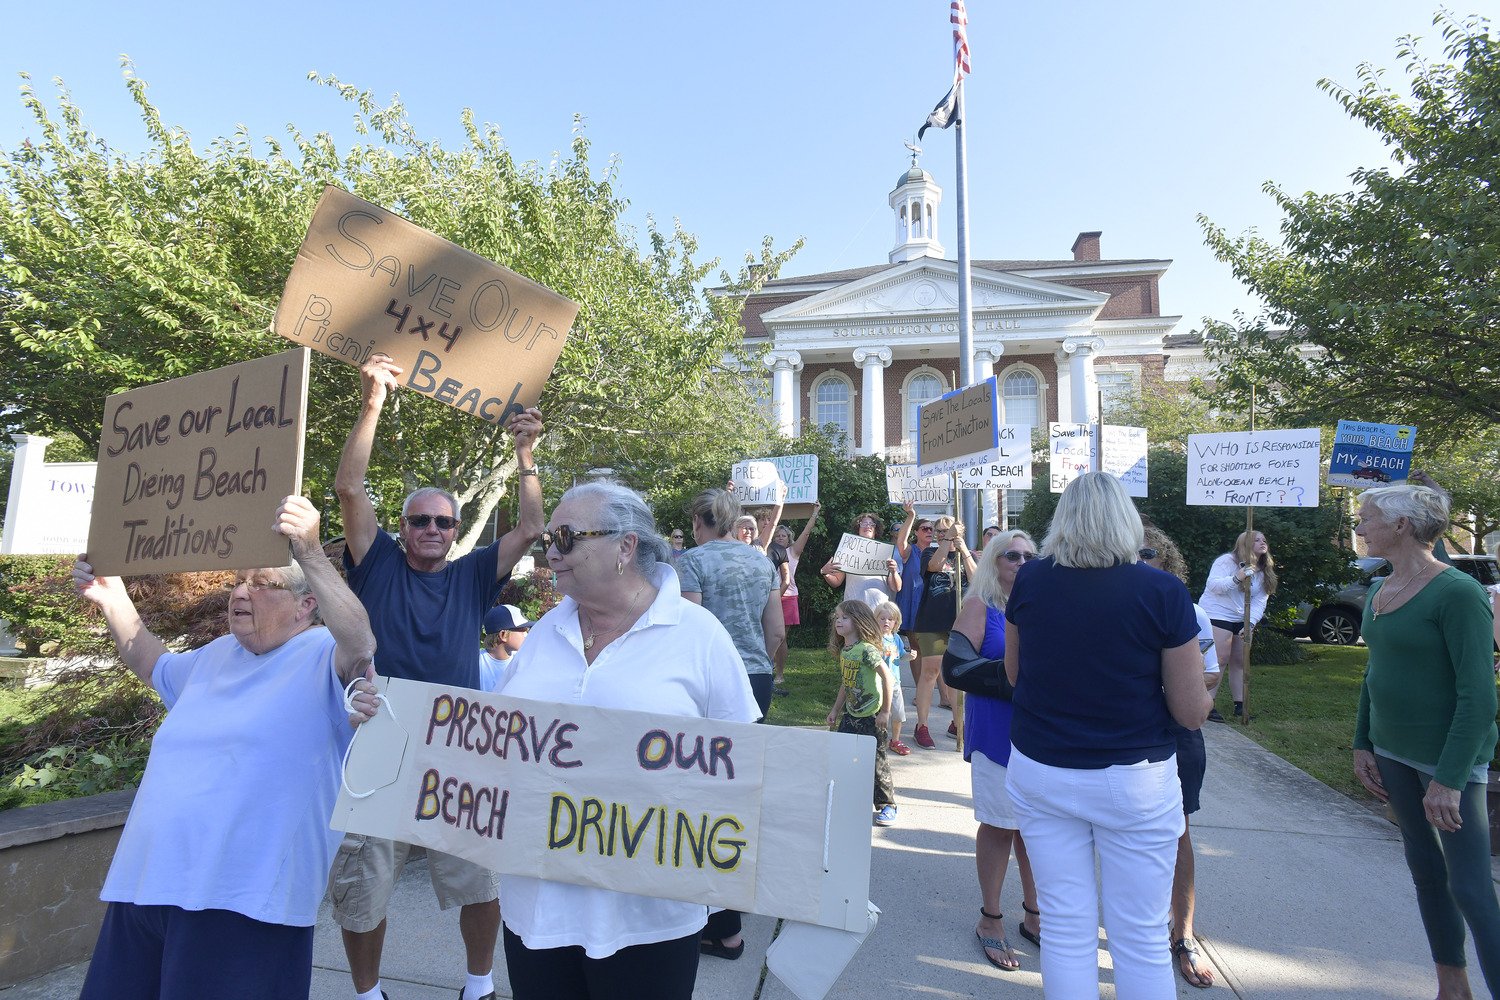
(1336, 628)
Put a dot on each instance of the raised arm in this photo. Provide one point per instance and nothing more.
(797, 546)
(903, 534)
(524, 427)
(377, 376)
(342, 612)
(138, 647)
(763, 541)
(969, 565)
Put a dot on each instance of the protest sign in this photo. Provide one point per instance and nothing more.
(903, 483)
(1263, 468)
(1124, 457)
(960, 429)
(662, 805)
(756, 483)
(863, 556)
(1371, 454)
(466, 331)
(191, 471)
(1073, 449)
(1010, 469)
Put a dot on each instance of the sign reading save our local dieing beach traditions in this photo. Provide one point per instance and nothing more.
(661, 805)
(191, 471)
(1371, 454)
(466, 331)
(1254, 468)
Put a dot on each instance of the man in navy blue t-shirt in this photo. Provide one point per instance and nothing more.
(426, 613)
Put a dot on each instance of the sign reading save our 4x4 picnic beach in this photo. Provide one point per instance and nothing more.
(465, 331)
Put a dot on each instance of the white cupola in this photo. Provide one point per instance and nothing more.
(914, 202)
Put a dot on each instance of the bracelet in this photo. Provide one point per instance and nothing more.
(529, 472)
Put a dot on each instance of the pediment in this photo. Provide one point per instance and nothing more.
(930, 286)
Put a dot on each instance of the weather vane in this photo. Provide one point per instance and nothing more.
(916, 151)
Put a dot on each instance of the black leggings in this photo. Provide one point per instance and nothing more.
(760, 686)
(1451, 870)
(665, 970)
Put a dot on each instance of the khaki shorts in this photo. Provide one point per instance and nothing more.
(932, 643)
(364, 876)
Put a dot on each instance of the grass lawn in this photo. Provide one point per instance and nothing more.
(813, 677)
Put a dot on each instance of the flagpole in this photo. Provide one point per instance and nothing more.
(965, 305)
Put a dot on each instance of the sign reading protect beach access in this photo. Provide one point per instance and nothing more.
(1259, 468)
(661, 805)
(863, 556)
(191, 471)
(465, 331)
(961, 429)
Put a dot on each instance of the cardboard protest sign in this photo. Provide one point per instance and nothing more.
(1010, 469)
(1371, 454)
(863, 556)
(903, 483)
(960, 429)
(191, 471)
(1263, 468)
(1073, 449)
(466, 331)
(756, 483)
(1124, 457)
(662, 805)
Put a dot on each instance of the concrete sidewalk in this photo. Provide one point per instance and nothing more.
(1301, 893)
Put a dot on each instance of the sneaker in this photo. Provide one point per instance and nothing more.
(1239, 709)
(1214, 716)
(899, 749)
(953, 730)
(886, 816)
(923, 738)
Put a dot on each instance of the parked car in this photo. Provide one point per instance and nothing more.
(1483, 568)
(1336, 621)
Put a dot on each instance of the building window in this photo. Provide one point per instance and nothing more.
(929, 220)
(1014, 501)
(1019, 391)
(916, 220)
(1117, 385)
(902, 225)
(831, 398)
(922, 386)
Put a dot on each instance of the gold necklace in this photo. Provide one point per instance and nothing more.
(1377, 612)
(588, 643)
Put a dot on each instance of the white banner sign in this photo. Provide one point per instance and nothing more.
(902, 483)
(1125, 457)
(756, 482)
(863, 556)
(660, 805)
(1010, 469)
(1259, 468)
(1074, 450)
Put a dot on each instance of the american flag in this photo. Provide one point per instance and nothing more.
(960, 37)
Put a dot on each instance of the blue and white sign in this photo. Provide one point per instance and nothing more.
(1371, 454)
(962, 429)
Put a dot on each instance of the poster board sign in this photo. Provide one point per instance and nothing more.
(1010, 469)
(959, 429)
(1371, 454)
(903, 483)
(863, 556)
(663, 805)
(1263, 468)
(756, 483)
(191, 471)
(465, 331)
(1124, 456)
(49, 509)
(1072, 450)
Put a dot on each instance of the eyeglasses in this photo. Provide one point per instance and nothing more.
(924, 527)
(564, 535)
(1148, 554)
(867, 521)
(257, 586)
(419, 521)
(1011, 555)
(677, 536)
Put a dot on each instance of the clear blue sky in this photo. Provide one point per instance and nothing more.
(786, 118)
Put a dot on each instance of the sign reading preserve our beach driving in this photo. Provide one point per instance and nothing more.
(191, 471)
(465, 331)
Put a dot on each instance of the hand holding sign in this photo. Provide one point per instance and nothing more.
(378, 377)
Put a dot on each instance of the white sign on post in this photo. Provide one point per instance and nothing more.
(50, 503)
(756, 482)
(1010, 469)
(1125, 457)
(1072, 451)
(903, 483)
(863, 556)
(1259, 468)
(660, 805)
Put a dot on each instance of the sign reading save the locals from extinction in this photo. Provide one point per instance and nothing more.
(191, 471)
(903, 483)
(863, 556)
(1260, 468)
(1371, 454)
(757, 482)
(962, 429)
(466, 331)
(661, 805)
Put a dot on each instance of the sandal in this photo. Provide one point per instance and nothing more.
(719, 950)
(1001, 944)
(1189, 947)
(1036, 938)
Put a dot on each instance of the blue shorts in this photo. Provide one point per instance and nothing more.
(1192, 762)
(168, 953)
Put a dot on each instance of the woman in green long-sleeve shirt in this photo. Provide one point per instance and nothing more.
(1426, 727)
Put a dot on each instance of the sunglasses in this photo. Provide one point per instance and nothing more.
(1011, 555)
(677, 537)
(564, 535)
(419, 521)
(1148, 554)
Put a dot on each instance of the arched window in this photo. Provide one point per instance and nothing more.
(1019, 391)
(916, 220)
(922, 386)
(831, 397)
(929, 220)
(902, 225)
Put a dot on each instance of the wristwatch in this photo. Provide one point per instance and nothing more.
(529, 472)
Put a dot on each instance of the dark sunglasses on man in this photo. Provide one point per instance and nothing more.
(420, 521)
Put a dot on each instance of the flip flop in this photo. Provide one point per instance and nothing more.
(1035, 939)
(1003, 944)
(1185, 946)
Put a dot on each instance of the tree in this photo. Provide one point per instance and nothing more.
(1383, 303)
(121, 270)
(1470, 471)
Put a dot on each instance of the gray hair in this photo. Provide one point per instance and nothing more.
(623, 511)
(296, 582)
(429, 491)
(987, 576)
(1095, 525)
(1425, 509)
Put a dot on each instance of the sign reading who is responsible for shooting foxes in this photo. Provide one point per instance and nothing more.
(191, 471)
(465, 331)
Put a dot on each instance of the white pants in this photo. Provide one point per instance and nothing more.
(1132, 815)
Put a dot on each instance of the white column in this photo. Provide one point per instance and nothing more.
(986, 357)
(872, 361)
(1064, 383)
(1085, 387)
(31, 451)
(782, 365)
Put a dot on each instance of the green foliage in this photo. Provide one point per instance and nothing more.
(37, 598)
(72, 771)
(1470, 471)
(1381, 303)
